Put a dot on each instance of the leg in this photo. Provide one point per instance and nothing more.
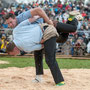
(62, 38)
(70, 26)
(64, 29)
(38, 56)
(50, 52)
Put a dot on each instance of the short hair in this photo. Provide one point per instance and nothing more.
(7, 16)
(10, 47)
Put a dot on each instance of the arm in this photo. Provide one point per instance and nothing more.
(40, 12)
(33, 19)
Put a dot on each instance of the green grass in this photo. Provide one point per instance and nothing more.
(27, 62)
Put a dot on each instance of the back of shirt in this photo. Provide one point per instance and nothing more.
(27, 36)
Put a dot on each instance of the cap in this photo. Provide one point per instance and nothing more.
(74, 13)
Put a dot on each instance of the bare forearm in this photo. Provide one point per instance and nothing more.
(41, 13)
(33, 19)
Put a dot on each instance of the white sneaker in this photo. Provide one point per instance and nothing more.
(37, 79)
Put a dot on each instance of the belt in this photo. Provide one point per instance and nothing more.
(44, 28)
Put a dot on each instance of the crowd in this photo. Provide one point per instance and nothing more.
(78, 43)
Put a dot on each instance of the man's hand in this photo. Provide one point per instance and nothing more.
(42, 41)
(50, 22)
(42, 45)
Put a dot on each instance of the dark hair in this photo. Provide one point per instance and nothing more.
(7, 16)
(10, 47)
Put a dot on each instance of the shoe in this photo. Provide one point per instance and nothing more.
(60, 84)
(37, 79)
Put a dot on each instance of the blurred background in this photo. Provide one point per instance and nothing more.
(78, 43)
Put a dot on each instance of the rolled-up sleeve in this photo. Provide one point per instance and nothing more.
(23, 16)
(25, 22)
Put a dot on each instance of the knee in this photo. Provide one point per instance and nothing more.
(62, 38)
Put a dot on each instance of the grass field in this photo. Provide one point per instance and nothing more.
(27, 62)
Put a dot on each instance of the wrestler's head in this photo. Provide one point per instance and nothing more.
(11, 20)
(12, 49)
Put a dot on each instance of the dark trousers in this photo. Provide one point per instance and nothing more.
(50, 57)
(38, 56)
(50, 45)
(64, 29)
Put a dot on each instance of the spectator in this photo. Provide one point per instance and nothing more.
(4, 25)
(11, 11)
(79, 47)
(59, 5)
(85, 39)
(84, 24)
(84, 14)
(18, 11)
(88, 47)
(72, 41)
(66, 48)
(3, 44)
(46, 2)
(0, 43)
